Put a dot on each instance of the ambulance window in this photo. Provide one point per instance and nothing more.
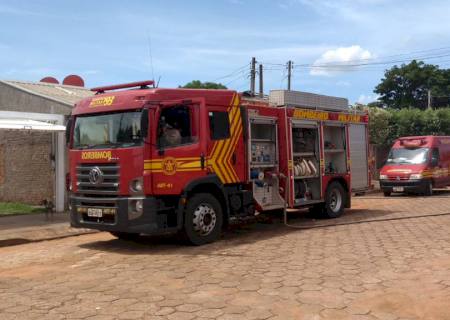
(177, 126)
(219, 125)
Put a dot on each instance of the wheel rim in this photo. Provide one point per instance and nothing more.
(205, 219)
(335, 200)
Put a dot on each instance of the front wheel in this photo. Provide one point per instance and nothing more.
(387, 193)
(203, 219)
(429, 188)
(335, 200)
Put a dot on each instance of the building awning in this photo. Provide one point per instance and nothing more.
(43, 122)
(30, 125)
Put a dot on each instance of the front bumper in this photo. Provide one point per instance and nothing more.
(418, 185)
(153, 219)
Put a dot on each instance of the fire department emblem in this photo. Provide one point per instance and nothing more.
(169, 166)
(95, 175)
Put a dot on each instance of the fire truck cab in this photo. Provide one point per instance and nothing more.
(151, 160)
(417, 165)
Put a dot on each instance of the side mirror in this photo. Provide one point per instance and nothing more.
(159, 144)
(434, 162)
(68, 130)
(144, 124)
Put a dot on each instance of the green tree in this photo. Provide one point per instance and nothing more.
(379, 127)
(197, 84)
(407, 86)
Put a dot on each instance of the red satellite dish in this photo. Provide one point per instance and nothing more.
(49, 80)
(73, 80)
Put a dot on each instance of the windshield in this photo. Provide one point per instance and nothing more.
(122, 129)
(408, 156)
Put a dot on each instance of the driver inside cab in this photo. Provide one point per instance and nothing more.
(170, 136)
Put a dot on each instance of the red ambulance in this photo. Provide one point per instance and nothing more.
(417, 165)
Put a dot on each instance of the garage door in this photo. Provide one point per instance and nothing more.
(358, 157)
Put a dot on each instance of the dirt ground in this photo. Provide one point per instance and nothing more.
(387, 258)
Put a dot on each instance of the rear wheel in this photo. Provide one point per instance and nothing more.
(203, 219)
(125, 235)
(429, 188)
(334, 200)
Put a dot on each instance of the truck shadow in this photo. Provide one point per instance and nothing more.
(267, 226)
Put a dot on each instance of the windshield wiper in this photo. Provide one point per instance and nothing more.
(86, 146)
(112, 145)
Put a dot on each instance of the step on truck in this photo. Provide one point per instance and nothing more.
(147, 160)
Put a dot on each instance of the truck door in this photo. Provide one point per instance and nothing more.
(180, 146)
(359, 165)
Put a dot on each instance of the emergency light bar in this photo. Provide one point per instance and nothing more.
(412, 143)
(141, 84)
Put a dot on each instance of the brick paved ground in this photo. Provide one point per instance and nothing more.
(396, 269)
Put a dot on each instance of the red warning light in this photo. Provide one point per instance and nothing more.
(73, 80)
(49, 80)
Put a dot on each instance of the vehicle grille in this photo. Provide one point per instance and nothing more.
(397, 178)
(102, 195)
(108, 186)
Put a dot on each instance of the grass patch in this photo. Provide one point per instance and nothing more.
(11, 208)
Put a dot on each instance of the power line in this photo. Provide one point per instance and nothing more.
(240, 69)
(391, 56)
(375, 61)
(241, 76)
(340, 65)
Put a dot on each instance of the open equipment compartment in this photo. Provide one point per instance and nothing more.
(306, 161)
(264, 166)
(335, 149)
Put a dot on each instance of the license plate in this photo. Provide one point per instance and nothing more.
(398, 189)
(95, 212)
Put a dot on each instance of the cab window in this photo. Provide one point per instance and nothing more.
(177, 126)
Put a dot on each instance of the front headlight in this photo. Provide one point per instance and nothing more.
(383, 177)
(136, 185)
(415, 176)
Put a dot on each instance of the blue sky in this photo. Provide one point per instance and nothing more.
(108, 41)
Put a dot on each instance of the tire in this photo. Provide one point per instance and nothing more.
(428, 189)
(387, 193)
(125, 235)
(203, 219)
(334, 200)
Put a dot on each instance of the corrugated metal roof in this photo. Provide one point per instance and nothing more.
(64, 94)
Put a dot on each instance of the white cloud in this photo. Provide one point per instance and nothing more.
(342, 59)
(365, 99)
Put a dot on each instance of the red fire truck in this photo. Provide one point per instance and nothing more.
(152, 161)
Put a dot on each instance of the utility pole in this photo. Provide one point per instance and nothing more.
(253, 76)
(261, 88)
(289, 66)
(429, 99)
